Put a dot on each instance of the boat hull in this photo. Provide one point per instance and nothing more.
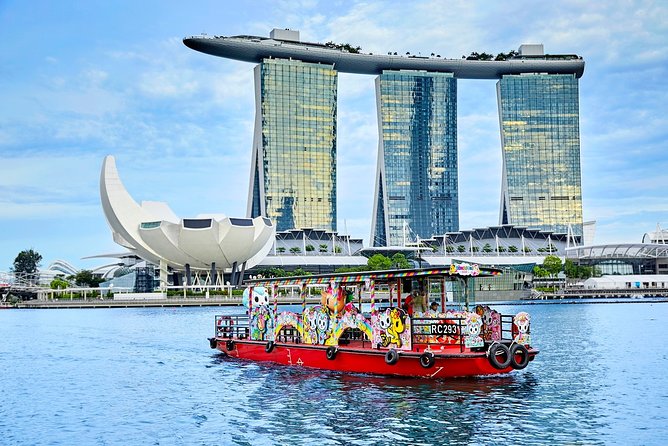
(446, 364)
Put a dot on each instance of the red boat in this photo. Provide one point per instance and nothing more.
(396, 336)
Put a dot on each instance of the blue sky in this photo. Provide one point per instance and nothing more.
(80, 80)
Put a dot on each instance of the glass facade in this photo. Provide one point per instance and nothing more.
(293, 176)
(540, 138)
(416, 179)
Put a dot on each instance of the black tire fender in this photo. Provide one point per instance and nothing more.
(331, 352)
(213, 343)
(499, 356)
(427, 360)
(269, 347)
(518, 350)
(392, 356)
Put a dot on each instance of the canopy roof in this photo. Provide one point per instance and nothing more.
(462, 270)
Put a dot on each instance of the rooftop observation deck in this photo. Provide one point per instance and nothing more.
(254, 49)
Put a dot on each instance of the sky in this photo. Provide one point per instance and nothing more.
(82, 80)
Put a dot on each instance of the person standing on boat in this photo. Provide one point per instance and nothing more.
(415, 302)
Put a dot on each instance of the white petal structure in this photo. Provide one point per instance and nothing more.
(154, 232)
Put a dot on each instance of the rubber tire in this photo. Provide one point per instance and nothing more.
(230, 345)
(331, 352)
(427, 360)
(493, 355)
(523, 352)
(392, 356)
(269, 347)
(213, 343)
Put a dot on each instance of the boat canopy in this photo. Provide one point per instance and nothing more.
(454, 272)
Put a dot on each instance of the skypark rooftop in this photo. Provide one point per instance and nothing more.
(285, 44)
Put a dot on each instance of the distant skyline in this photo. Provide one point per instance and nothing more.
(81, 81)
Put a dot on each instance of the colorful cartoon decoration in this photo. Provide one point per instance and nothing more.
(333, 298)
(491, 323)
(465, 269)
(473, 329)
(288, 319)
(316, 325)
(521, 324)
(391, 328)
(260, 296)
(261, 323)
(351, 318)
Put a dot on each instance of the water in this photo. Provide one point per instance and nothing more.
(147, 376)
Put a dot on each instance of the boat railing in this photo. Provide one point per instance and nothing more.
(235, 326)
(438, 331)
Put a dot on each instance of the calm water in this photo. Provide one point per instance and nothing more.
(147, 376)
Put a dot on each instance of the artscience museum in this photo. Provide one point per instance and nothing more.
(213, 244)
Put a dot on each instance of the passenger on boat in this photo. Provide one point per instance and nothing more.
(433, 306)
(415, 302)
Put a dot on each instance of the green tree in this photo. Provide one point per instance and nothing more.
(27, 262)
(400, 261)
(295, 249)
(59, 283)
(323, 247)
(461, 248)
(512, 248)
(337, 249)
(85, 278)
(280, 249)
(449, 248)
(540, 272)
(310, 248)
(570, 269)
(552, 264)
(379, 262)
(487, 247)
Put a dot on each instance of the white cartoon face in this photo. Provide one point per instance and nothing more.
(384, 320)
(260, 299)
(323, 321)
(522, 321)
(474, 324)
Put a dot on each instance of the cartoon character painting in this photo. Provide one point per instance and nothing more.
(316, 325)
(261, 317)
(521, 324)
(491, 323)
(391, 325)
(474, 327)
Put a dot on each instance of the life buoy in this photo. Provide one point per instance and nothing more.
(331, 352)
(519, 356)
(213, 343)
(427, 359)
(392, 356)
(230, 345)
(269, 347)
(499, 356)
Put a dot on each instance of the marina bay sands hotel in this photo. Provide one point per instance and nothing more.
(293, 171)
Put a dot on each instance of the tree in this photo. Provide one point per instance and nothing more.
(570, 269)
(400, 261)
(295, 250)
(310, 248)
(487, 247)
(461, 248)
(540, 272)
(280, 249)
(512, 248)
(27, 262)
(323, 247)
(552, 264)
(449, 248)
(85, 278)
(59, 283)
(379, 262)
